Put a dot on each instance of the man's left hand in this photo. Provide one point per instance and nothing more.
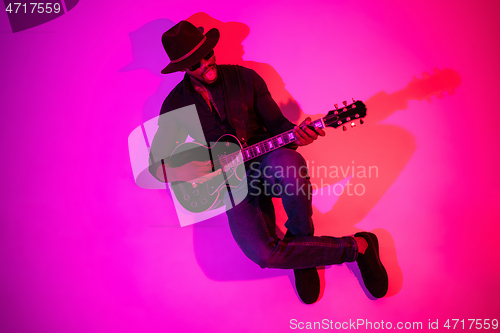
(306, 135)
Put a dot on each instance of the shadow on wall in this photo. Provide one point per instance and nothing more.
(367, 161)
(148, 54)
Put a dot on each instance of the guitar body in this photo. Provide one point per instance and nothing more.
(198, 197)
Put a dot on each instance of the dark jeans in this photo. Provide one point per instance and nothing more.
(283, 173)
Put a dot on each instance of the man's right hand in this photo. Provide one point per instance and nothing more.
(200, 171)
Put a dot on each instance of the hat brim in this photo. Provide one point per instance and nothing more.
(213, 36)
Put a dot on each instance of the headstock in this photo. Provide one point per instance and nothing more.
(347, 114)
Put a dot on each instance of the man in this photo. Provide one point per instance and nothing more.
(235, 100)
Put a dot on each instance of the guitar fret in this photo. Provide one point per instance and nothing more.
(286, 138)
(318, 123)
(274, 143)
(263, 147)
(279, 142)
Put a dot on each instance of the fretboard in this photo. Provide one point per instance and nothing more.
(265, 146)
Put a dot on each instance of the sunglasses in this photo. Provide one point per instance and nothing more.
(198, 64)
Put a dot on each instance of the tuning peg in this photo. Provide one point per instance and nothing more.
(336, 106)
(344, 128)
(353, 100)
(353, 124)
(361, 121)
(345, 103)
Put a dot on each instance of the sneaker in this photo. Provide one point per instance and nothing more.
(307, 284)
(371, 268)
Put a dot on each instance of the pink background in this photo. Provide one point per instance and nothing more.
(84, 249)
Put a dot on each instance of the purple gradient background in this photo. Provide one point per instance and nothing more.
(84, 249)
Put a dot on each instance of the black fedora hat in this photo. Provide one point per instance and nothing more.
(186, 45)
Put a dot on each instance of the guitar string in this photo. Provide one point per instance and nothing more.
(261, 146)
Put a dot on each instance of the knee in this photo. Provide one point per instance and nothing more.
(290, 157)
(290, 163)
(262, 261)
(263, 256)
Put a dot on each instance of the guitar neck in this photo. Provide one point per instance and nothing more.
(265, 146)
(334, 118)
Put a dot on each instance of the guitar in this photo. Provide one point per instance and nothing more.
(228, 155)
